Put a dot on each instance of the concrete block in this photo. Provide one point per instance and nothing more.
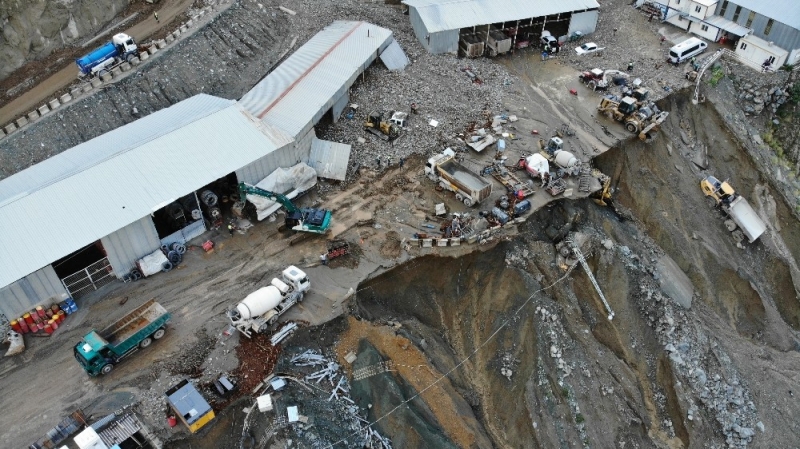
(144, 56)
(125, 66)
(75, 92)
(162, 43)
(97, 82)
(43, 109)
(427, 243)
(189, 22)
(116, 72)
(2, 133)
(106, 77)
(441, 242)
(22, 121)
(472, 239)
(176, 33)
(66, 98)
(88, 87)
(54, 103)
(33, 115)
(10, 128)
(169, 39)
(455, 242)
(184, 28)
(135, 60)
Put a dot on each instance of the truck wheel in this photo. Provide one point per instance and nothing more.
(630, 126)
(102, 72)
(592, 85)
(107, 369)
(146, 342)
(731, 225)
(459, 197)
(129, 58)
(443, 185)
(468, 202)
(272, 321)
(158, 333)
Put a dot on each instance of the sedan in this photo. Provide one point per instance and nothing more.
(589, 47)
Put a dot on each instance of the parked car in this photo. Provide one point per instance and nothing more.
(548, 40)
(589, 47)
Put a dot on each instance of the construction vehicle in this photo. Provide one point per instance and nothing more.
(637, 119)
(384, 129)
(262, 308)
(735, 206)
(98, 352)
(121, 48)
(297, 219)
(552, 145)
(469, 188)
(603, 196)
(598, 79)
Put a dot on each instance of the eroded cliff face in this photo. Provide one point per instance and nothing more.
(32, 29)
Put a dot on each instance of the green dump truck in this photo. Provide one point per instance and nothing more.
(98, 352)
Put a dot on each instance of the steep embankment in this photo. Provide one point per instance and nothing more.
(558, 372)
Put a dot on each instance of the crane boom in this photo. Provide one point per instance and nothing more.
(246, 189)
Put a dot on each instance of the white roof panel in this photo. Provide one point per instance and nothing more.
(329, 159)
(442, 15)
(128, 178)
(783, 11)
(297, 93)
(727, 25)
(394, 58)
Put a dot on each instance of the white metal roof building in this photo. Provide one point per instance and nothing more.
(438, 24)
(317, 79)
(107, 188)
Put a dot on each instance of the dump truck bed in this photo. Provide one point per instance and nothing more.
(746, 218)
(127, 326)
(478, 187)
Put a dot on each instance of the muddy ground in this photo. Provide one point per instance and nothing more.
(494, 345)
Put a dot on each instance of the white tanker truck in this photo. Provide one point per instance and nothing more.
(260, 310)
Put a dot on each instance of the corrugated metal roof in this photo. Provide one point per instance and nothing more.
(305, 86)
(783, 11)
(120, 430)
(441, 15)
(394, 58)
(186, 400)
(727, 25)
(139, 172)
(329, 159)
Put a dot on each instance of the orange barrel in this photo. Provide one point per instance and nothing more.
(16, 327)
(40, 325)
(40, 311)
(23, 325)
(53, 324)
(48, 329)
(55, 308)
(28, 318)
(61, 315)
(36, 318)
(48, 313)
(33, 328)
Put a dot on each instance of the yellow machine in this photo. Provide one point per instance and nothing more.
(637, 119)
(383, 129)
(602, 196)
(716, 190)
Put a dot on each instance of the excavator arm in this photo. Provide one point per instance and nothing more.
(246, 189)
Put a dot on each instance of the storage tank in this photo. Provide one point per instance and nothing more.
(259, 302)
(565, 159)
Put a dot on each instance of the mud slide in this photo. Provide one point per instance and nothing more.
(558, 373)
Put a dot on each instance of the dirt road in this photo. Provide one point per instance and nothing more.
(47, 89)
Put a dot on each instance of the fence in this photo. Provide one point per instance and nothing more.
(89, 279)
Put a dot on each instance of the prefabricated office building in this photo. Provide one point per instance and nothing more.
(444, 26)
(103, 204)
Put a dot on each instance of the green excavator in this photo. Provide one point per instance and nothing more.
(316, 221)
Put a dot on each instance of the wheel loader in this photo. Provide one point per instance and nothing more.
(637, 119)
(384, 129)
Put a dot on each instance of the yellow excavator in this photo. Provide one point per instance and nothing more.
(602, 196)
(386, 130)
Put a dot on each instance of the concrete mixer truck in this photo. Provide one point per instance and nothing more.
(260, 310)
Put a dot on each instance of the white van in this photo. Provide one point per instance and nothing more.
(686, 49)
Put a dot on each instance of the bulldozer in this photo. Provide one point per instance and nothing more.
(637, 119)
(384, 129)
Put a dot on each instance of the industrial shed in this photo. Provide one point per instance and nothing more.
(464, 26)
(99, 202)
(315, 80)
